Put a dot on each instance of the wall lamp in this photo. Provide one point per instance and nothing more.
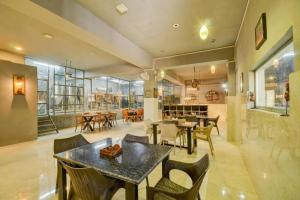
(19, 85)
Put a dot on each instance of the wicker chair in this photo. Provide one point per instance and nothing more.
(138, 139)
(88, 184)
(140, 114)
(61, 145)
(165, 189)
(215, 122)
(169, 132)
(203, 133)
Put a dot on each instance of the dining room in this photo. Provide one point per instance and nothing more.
(149, 100)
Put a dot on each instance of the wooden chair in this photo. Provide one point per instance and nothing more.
(79, 121)
(203, 133)
(169, 190)
(99, 119)
(112, 117)
(61, 145)
(88, 184)
(215, 122)
(140, 114)
(125, 115)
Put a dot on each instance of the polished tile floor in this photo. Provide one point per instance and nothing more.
(28, 170)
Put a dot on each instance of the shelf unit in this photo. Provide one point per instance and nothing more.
(185, 109)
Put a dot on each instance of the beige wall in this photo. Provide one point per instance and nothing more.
(18, 119)
(269, 143)
(4, 55)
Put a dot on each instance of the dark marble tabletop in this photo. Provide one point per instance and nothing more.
(133, 165)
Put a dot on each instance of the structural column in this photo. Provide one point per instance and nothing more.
(150, 98)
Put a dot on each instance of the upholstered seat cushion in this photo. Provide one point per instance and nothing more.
(168, 186)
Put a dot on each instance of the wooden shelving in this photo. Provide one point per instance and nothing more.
(180, 109)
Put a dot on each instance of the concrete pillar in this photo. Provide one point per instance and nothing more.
(231, 102)
(151, 98)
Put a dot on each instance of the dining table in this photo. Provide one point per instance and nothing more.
(132, 166)
(107, 122)
(188, 126)
(87, 120)
(205, 119)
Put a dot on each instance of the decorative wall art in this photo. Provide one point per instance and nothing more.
(261, 31)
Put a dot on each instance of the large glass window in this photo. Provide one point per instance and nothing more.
(272, 78)
(136, 94)
(60, 89)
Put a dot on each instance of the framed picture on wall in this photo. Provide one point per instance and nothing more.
(261, 31)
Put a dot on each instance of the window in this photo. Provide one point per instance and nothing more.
(272, 77)
(60, 89)
(136, 94)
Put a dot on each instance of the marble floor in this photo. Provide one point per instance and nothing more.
(28, 170)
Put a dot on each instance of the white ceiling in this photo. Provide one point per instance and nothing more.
(148, 23)
(17, 29)
(203, 72)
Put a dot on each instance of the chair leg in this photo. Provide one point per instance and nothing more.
(217, 129)
(211, 147)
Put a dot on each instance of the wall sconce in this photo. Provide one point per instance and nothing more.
(19, 85)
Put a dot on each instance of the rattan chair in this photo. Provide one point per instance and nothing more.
(203, 133)
(169, 133)
(61, 145)
(166, 189)
(88, 184)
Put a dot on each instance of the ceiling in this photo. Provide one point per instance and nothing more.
(17, 29)
(148, 23)
(187, 72)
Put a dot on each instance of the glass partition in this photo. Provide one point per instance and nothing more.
(136, 94)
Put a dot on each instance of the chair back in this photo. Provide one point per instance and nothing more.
(61, 145)
(216, 119)
(88, 184)
(138, 139)
(78, 118)
(199, 171)
(168, 131)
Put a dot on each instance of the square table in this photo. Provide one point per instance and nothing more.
(186, 125)
(132, 166)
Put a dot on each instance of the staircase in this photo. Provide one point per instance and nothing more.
(46, 125)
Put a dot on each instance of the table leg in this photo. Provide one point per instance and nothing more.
(189, 140)
(131, 191)
(62, 182)
(154, 127)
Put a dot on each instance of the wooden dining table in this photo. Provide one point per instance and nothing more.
(132, 166)
(188, 126)
(87, 120)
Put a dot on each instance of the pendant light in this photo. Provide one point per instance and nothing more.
(203, 32)
(194, 81)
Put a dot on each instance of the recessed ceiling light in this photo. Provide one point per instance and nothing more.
(176, 25)
(48, 36)
(203, 32)
(18, 48)
(121, 8)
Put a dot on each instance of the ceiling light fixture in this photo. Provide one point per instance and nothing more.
(162, 73)
(18, 48)
(121, 8)
(48, 36)
(176, 25)
(213, 69)
(203, 32)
